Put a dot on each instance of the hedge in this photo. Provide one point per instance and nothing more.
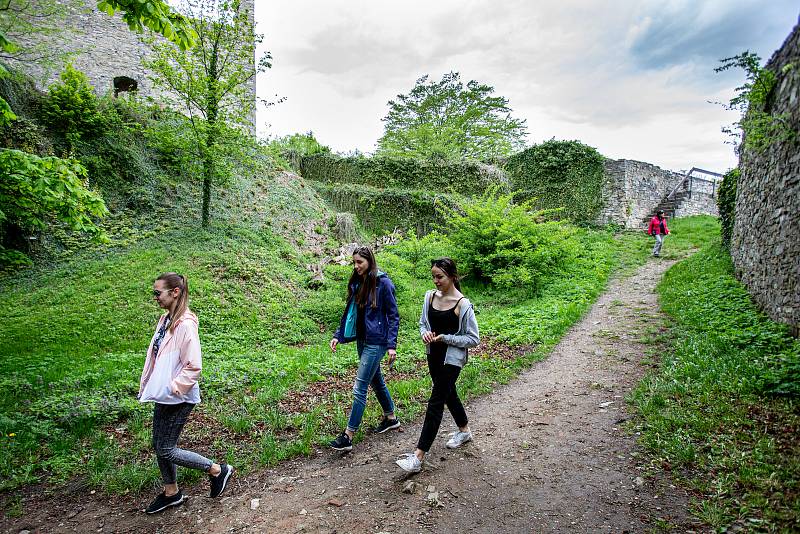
(384, 210)
(464, 178)
(560, 174)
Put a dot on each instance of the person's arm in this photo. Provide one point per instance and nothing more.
(190, 357)
(470, 338)
(392, 315)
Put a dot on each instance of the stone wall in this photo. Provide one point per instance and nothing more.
(765, 246)
(632, 189)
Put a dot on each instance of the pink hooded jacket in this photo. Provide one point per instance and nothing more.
(171, 377)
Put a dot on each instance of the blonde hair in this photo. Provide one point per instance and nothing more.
(173, 281)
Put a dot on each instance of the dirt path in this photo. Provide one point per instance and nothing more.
(551, 454)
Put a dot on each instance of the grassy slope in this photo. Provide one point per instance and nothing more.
(705, 412)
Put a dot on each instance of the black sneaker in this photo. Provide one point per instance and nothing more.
(219, 482)
(386, 424)
(163, 502)
(342, 443)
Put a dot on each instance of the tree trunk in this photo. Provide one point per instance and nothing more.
(206, 192)
(212, 111)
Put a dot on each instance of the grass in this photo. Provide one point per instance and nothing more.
(74, 336)
(721, 410)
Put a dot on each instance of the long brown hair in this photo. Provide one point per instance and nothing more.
(368, 282)
(449, 267)
(172, 281)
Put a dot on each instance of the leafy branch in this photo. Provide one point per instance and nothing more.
(758, 127)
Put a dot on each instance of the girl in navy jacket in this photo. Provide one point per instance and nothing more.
(370, 319)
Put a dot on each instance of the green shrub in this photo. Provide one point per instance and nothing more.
(465, 178)
(506, 244)
(726, 202)
(560, 174)
(71, 108)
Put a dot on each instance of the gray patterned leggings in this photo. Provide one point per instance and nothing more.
(168, 421)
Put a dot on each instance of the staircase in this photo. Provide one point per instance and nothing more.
(682, 192)
(671, 203)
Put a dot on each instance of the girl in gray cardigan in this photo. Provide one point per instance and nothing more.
(448, 328)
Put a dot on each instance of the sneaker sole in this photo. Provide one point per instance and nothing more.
(224, 482)
(348, 448)
(396, 425)
(176, 503)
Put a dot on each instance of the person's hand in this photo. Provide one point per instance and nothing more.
(438, 338)
(427, 337)
(392, 357)
(334, 342)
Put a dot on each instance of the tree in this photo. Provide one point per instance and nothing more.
(210, 84)
(446, 119)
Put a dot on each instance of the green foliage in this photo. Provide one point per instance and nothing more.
(446, 120)
(71, 108)
(211, 85)
(759, 127)
(302, 144)
(386, 210)
(463, 177)
(560, 174)
(726, 203)
(155, 15)
(290, 149)
(419, 251)
(712, 407)
(35, 189)
(507, 244)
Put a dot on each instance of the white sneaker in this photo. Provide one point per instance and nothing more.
(409, 463)
(458, 439)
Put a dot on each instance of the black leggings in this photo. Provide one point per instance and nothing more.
(444, 378)
(168, 421)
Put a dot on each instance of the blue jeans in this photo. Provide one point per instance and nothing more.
(369, 374)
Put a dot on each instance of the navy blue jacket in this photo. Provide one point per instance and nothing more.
(382, 322)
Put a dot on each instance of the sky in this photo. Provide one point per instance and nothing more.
(634, 79)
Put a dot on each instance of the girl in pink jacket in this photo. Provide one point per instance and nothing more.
(658, 229)
(169, 379)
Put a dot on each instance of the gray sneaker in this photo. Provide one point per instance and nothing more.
(458, 439)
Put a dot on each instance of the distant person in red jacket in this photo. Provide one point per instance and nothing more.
(658, 229)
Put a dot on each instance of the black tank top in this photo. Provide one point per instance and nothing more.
(442, 322)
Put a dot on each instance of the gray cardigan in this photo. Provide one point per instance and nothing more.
(466, 337)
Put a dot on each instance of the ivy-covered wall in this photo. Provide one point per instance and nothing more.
(385, 210)
(764, 244)
(437, 176)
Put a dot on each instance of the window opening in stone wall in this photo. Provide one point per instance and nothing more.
(123, 84)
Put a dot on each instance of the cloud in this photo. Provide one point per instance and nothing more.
(677, 32)
(626, 75)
